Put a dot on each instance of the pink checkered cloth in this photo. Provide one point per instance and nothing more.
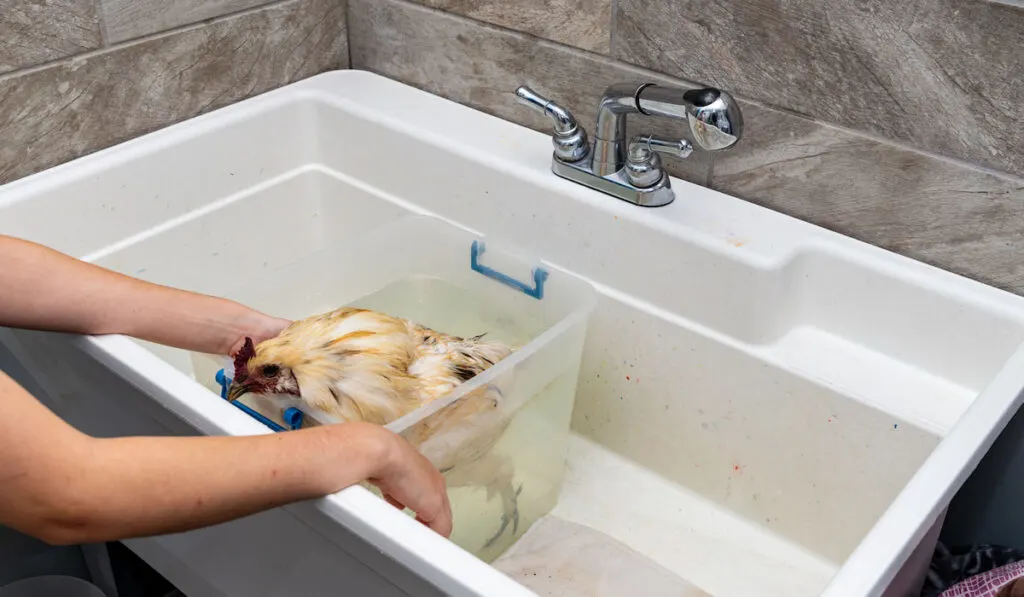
(986, 584)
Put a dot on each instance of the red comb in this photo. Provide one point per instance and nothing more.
(243, 355)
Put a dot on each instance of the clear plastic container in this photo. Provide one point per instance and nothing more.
(438, 275)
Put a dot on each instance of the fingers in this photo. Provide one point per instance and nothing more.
(447, 523)
(410, 480)
(440, 520)
(276, 325)
(394, 502)
(236, 346)
(441, 524)
(428, 498)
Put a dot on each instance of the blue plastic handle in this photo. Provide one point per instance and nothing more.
(540, 275)
(224, 382)
(258, 416)
(292, 416)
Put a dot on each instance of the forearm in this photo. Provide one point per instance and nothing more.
(166, 485)
(47, 290)
(66, 487)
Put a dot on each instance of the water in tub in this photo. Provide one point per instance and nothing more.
(537, 466)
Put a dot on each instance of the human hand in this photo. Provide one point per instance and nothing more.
(255, 325)
(408, 480)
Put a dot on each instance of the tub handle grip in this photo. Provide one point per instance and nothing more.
(293, 416)
(540, 275)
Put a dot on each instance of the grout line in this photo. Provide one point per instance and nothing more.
(101, 17)
(348, 32)
(613, 28)
(902, 145)
(206, 21)
(144, 39)
(589, 55)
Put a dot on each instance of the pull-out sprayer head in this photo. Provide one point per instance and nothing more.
(715, 118)
(713, 115)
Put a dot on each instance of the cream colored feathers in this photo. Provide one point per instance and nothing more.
(361, 365)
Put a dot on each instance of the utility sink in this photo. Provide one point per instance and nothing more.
(763, 408)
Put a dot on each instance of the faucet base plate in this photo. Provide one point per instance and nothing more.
(616, 185)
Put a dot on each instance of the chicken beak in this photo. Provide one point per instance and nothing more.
(235, 391)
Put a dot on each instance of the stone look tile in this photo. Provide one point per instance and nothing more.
(481, 66)
(128, 19)
(939, 212)
(931, 209)
(33, 32)
(942, 75)
(79, 106)
(581, 23)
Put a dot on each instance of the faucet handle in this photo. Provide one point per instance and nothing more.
(642, 145)
(569, 139)
(643, 164)
(562, 119)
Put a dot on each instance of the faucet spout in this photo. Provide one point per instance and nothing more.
(713, 116)
(618, 101)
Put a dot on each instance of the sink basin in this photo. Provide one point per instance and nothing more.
(764, 407)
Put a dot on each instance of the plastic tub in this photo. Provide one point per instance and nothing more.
(51, 586)
(449, 279)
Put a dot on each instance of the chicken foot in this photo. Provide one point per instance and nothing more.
(505, 518)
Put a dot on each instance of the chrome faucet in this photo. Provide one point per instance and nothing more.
(631, 170)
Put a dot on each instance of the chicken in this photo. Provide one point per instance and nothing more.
(362, 365)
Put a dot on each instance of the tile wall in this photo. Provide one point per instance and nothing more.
(899, 123)
(80, 75)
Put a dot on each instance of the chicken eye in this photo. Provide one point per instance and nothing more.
(270, 370)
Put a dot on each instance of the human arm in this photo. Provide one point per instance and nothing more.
(66, 487)
(44, 289)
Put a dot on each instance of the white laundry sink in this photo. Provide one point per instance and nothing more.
(764, 407)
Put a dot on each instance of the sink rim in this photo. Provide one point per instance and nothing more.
(878, 556)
